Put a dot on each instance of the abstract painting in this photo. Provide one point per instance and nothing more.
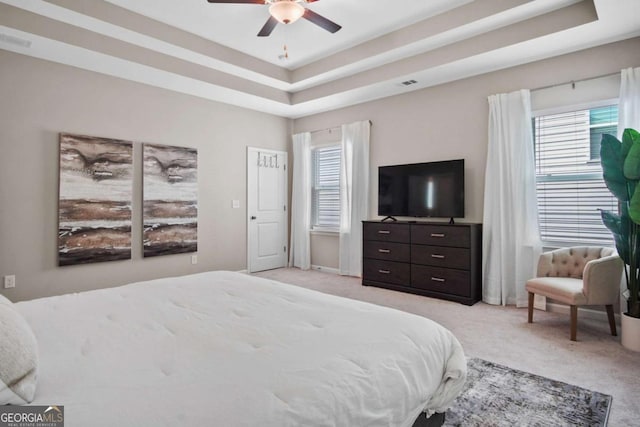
(170, 200)
(94, 221)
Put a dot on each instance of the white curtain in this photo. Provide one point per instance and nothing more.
(354, 195)
(511, 242)
(300, 246)
(629, 103)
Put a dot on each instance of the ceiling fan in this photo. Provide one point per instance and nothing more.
(287, 12)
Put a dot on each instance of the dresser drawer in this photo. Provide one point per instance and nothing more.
(448, 281)
(386, 232)
(389, 251)
(386, 271)
(441, 235)
(441, 256)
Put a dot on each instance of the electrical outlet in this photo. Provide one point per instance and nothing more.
(235, 204)
(9, 281)
(194, 259)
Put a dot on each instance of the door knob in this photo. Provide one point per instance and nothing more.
(253, 217)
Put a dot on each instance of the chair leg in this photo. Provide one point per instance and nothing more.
(530, 306)
(574, 322)
(612, 320)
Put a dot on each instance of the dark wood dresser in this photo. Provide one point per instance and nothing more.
(432, 259)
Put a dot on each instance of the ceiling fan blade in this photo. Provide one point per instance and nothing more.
(237, 1)
(268, 27)
(320, 21)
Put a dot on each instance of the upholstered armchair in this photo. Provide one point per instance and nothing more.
(578, 276)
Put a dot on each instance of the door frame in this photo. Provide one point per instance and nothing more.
(285, 229)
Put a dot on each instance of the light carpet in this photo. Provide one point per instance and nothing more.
(496, 395)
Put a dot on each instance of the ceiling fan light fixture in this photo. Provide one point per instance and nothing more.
(286, 11)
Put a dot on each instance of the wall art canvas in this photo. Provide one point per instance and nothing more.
(170, 204)
(94, 208)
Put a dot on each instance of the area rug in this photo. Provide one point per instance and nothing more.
(496, 395)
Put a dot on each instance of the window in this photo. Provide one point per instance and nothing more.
(325, 195)
(569, 176)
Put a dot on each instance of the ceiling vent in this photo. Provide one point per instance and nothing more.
(408, 83)
(14, 40)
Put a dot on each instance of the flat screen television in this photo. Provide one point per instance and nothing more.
(429, 190)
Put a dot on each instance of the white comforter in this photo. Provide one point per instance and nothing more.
(228, 349)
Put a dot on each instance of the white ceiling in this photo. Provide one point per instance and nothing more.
(211, 50)
(236, 25)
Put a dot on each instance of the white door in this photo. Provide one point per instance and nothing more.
(266, 209)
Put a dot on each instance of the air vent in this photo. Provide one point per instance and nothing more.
(408, 83)
(14, 40)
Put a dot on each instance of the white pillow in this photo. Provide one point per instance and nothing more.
(18, 357)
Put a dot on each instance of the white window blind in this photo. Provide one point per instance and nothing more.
(325, 202)
(570, 187)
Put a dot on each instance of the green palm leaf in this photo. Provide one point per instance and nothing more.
(612, 166)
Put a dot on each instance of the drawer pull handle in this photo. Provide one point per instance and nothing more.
(437, 279)
(384, 272)
(384, 232)
(384, 251)
(437, 235)
(437, 256)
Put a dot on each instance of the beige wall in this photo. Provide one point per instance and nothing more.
(324, 251)
(39, 99)
(450, 121)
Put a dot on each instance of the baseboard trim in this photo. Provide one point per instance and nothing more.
(582, 312)
(325, 269)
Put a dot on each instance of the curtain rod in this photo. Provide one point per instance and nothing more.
(333, 128)
(573, 82)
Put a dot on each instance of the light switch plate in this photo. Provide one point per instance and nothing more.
(194, 259)
(9, 281)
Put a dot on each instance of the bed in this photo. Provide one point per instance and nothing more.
(229, 349)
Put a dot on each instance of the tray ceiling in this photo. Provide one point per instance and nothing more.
(211, 50)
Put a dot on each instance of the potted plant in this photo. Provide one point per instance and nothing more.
(621, 171)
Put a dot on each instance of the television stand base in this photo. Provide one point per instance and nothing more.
(388, 217)
(451, 221)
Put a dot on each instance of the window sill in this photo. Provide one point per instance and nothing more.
(549, 246)
(325, 232)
